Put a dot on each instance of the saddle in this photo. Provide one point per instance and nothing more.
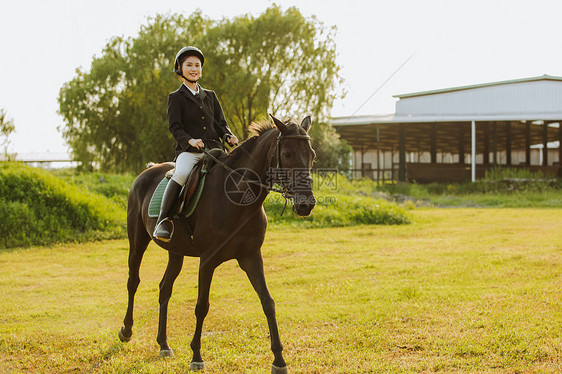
(190, 193)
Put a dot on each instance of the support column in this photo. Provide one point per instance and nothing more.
(433, 142)
(461, 144)
(473, 151)
(528, 143)
(560, 148)
(362, 167)
(402, 153)
(486, 143)
(392, 162)
(495, 143)
(378, 156)
(545, 144)
(508, 143)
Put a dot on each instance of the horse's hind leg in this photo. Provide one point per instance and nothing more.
(138, 241)
(175, 263)
(206, 271)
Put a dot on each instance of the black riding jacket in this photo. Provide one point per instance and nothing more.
(195, 117)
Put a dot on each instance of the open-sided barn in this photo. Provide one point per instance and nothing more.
(457, 134)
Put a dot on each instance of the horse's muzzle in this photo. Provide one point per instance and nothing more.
(303, 204)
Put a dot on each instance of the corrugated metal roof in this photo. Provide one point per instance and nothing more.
(391, 118)
(523, 99)
(527, 99)
(459, 88)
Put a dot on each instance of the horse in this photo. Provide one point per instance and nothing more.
(228, 223)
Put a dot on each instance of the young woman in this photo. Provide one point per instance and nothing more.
(196, 120)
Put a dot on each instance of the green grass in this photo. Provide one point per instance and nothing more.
(463, 290)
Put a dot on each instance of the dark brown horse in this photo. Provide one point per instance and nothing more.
(229, 223)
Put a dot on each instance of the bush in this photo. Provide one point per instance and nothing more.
(498, 189)
(340, 203)
(38, 208)
(113, 186)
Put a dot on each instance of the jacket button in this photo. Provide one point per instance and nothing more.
(200, 106)
(203, 117)
(204, 127)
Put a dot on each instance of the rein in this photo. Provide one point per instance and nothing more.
(228, 168)
(285, 191)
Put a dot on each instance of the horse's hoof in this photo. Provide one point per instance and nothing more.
(166, 353)
(122, 336)
(196, 366)
(278, 370)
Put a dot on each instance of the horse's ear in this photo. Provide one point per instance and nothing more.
(306, 123)
(280, 125)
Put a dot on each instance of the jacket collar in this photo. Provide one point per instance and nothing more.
(186, 92)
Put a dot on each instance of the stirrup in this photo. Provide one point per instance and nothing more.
(161, 238)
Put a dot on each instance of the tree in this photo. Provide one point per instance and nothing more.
(279, 62)
(6, 129)
(332, 153)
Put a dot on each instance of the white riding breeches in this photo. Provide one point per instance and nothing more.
(184, 164)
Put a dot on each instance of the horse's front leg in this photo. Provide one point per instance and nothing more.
(175, 263)
(253, 266)
(201, 309)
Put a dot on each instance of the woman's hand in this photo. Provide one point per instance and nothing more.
(232, 140)
(197, 143)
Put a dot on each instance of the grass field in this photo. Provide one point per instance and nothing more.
(458, 290)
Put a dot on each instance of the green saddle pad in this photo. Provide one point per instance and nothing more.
(187, 211)
(156, 200)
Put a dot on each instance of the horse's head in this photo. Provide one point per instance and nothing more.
(294, 158)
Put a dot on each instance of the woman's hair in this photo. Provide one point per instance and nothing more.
(183, 57)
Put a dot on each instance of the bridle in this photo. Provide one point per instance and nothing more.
(282, 137)
(286, 190)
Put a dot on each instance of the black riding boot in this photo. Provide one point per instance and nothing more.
(165, 227)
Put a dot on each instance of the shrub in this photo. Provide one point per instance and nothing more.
(340, 203)
(113, 186)
(499, 189)
(38, 208)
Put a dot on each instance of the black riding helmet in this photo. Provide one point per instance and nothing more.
(186, 52)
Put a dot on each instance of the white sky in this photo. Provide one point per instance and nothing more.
(454, 42)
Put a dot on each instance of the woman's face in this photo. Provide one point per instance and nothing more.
(191, 68)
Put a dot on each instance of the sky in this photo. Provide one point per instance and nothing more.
(384, 48)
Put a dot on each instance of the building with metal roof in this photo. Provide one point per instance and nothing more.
(459, 133)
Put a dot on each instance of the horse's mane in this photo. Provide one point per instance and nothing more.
(243, 149)
(246, 147)
(260, 127)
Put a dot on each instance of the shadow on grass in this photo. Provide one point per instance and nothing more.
(107, 356)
